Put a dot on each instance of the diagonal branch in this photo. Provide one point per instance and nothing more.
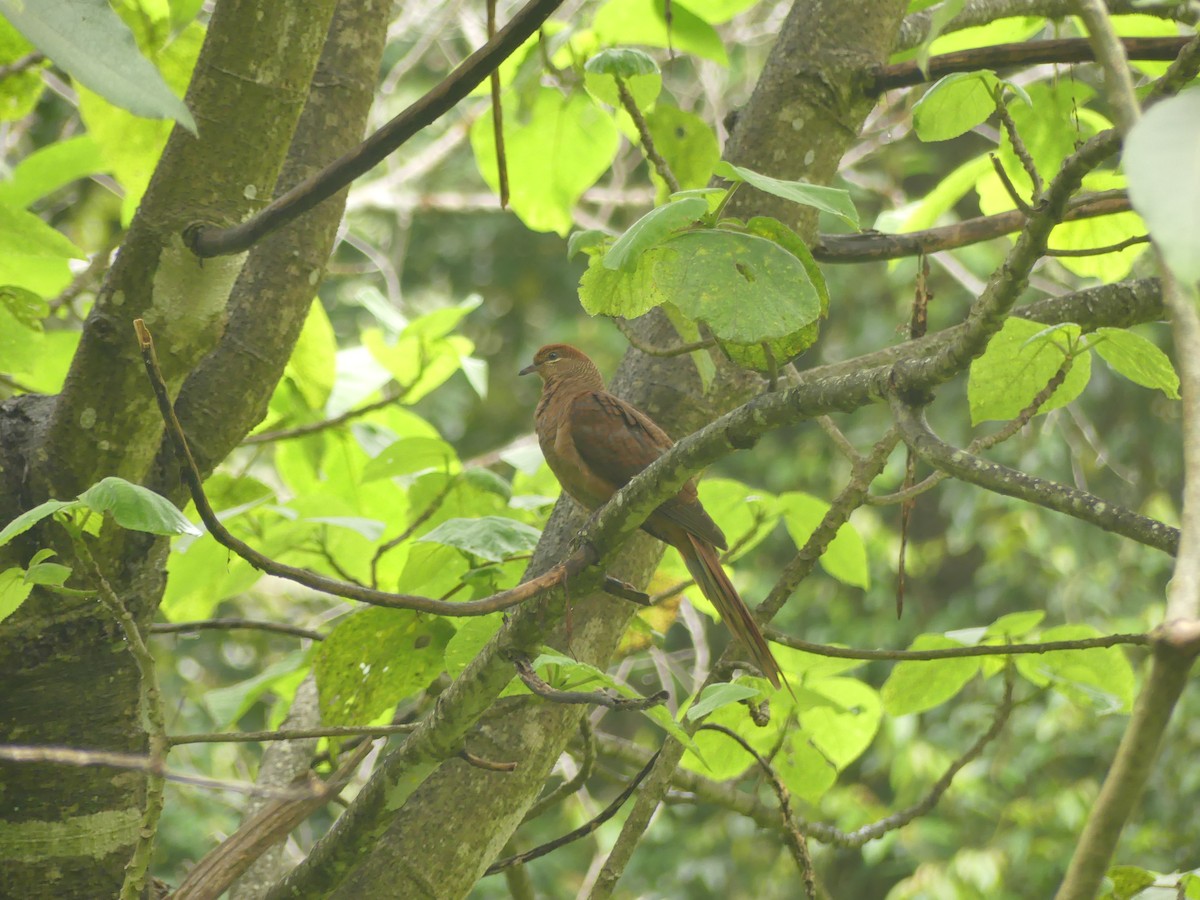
(1013, 483)
(206, 241)
(1024, 53)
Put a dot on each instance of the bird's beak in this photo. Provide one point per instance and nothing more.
(529, 369)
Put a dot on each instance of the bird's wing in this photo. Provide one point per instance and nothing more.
(615, 440)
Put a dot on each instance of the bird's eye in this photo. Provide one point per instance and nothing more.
(552, 356)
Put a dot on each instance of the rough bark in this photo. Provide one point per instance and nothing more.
(70, 831)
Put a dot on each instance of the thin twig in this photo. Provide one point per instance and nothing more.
(73, 756)
(1111, 640)
(643, 129)
(97, 265)
(795, 838)
(290, 734)
(391, 393)
(434, 505)
(221, 866)
(490, 765)
(840, 441)
(653, 350)
(497, 113)
(1011, 189)
(860, 836)
(582, 831)
(17, 66)
(570, 786)
(1025, 53)
(853, 248)
(1018, 145)
(592, 698)
(984, 442)
(1100, 251)
(233, 624)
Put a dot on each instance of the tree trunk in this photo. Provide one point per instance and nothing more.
(68, 832)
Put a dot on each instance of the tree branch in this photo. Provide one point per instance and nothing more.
(582, 831)
(232, 624)
(1111, 640)
(534, 682)
(1012, 483)
(1025, 53)
(206, 241)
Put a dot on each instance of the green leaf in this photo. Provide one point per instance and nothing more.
(1161, 159)
(636, 68)
(1098, 678)
(27, 307)
(418, 363)
(228, 704)
(492, 538)
(1137, 359)
(621, 22)
(50, 168)
(375, 658)
(835, 201)
(24, 233)
(783, 349)
(1015, 625)
(843, 729)
(605, 292)
(137, 508)
(805, 770)
(955, 105)
(472, 636)
(744, 287)
(846, 556)
(747, 515)
(556, 150)
(88, 40)
(409, 455)
(690, 148)
(1019, 362)
(201, 576)
(591, 241)
(312, 367)
(717, 11)
(14, 590)
(715, 696)
(917, 685)
(652, 229)
(1128, 881)
(29, 518)
(48, 573)
(622, 62)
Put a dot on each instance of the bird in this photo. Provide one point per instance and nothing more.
(595, 442)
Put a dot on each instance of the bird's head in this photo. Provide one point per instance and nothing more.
(557, 362)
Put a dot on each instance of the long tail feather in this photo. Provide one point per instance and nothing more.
(706, 568)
